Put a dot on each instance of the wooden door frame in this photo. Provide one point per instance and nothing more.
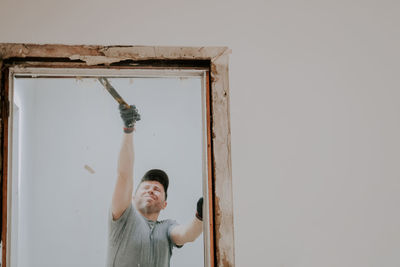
(215, 59)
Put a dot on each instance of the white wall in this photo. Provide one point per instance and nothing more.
(23, 209)
(314, 108)
(76, 123)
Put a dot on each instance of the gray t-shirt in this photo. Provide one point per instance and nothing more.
(135, 241)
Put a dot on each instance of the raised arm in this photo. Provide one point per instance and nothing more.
(123, 190)
(182, 234)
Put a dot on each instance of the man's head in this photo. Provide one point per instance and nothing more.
(158, 176)
(151, 194)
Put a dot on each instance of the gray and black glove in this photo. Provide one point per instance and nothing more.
(129, 117)
(199, 212)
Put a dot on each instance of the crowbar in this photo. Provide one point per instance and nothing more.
(112, 91)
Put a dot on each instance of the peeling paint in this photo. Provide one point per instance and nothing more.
(94, 55)
(96, 60)
(225, 261)
(222, 160)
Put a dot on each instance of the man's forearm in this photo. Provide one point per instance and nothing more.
(182, 234)
(124, 185)
(125, 160)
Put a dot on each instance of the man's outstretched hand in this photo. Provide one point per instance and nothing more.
(129, 117)
(199, 213)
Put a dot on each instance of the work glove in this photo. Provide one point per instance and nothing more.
(129, 117)
(199, 213)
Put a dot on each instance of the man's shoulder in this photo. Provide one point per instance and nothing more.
(167, 223)
(128, 214)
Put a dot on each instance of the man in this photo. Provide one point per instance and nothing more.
(136, 237)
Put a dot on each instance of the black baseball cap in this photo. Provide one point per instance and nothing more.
(159, 176)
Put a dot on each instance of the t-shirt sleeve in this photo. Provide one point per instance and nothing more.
(172, 225)
(117, 227)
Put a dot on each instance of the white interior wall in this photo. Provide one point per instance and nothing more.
(14, 183)
(25, 211)
(76, 123)
(314, 109)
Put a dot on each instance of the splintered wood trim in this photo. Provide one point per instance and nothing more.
(154, 57)
(95, 55)
(210, 173)
(221, 132)
(122, 65)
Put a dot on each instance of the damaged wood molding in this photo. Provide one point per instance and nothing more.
(222, 162)
(95, 56)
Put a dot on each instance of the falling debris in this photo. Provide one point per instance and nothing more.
(89, 169)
